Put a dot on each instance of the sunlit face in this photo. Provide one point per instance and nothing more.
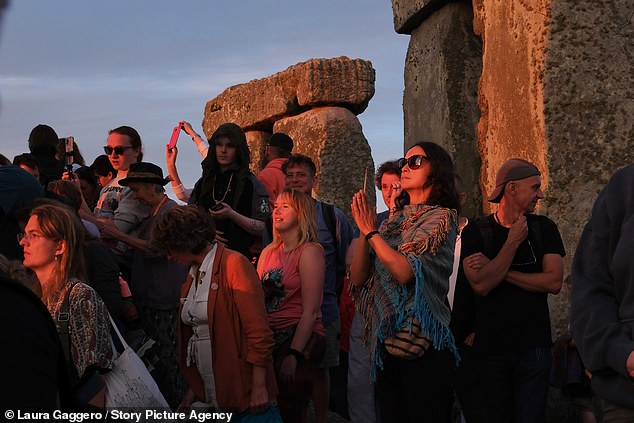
(39, 251)
(226, 152)
(284, 215)
(415, 179)
(300, 179)
(526, 193)
(387, 183)
(127, 157)
(144, 193)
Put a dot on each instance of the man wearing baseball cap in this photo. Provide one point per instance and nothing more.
(278, 149)
(513, 260)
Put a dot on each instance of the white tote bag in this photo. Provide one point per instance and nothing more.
(129, 384)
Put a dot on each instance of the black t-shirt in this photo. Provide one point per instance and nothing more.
(511, 319)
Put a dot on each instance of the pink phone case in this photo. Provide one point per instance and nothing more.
(175, 133)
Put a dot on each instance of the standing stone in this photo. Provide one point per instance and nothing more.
(557, 88)
(409, 14)
(588, 108)
(256, 140)
(333, 138)
(259, 103)
(511, 87)
(440, 101)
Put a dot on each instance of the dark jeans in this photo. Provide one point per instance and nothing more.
(416, 390)
(468, 387)
(516, 385)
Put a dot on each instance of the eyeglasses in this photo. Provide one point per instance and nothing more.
(28, 237)
(414, 162)
(526, 261)
(118, 149)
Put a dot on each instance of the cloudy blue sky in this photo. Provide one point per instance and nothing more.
(84, 67)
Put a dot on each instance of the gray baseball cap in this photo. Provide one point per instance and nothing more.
(512, 170)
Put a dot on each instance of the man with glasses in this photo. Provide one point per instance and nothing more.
(513, 260)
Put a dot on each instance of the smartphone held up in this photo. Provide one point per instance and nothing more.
(69, 154)
(174, 138)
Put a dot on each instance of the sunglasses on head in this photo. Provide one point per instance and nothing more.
(414, 162)
(118, 149)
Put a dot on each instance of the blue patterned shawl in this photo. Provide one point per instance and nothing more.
(426, 235)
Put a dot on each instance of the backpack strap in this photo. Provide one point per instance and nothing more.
(486, 230)
(328, 212)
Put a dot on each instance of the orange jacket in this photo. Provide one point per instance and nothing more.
(239, 329)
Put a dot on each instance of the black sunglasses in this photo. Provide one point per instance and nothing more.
(414, 162)
(118, 149)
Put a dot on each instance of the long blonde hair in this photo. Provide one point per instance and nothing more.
(304, 206)
(60, 223)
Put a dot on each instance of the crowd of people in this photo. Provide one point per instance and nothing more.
(256, 298)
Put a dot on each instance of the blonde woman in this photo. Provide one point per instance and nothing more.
(52, 242)
(292, 270)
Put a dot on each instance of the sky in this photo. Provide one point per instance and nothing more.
(84, 67)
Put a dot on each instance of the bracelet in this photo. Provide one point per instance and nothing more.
(178, 189)
(196, 136)
(298, 355)
(371, 234)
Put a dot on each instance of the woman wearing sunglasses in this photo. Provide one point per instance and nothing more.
(116, 202)
(52, 242)
(401, 275)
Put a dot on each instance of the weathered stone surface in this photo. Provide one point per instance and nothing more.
(440, 104)
(335, 82)
(259, 103)
(511, 86)
(333, 138)
(409, 14)
(558, 89)
(257, 144)
(588, 107)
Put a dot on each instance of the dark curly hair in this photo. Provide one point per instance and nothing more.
(389, 167)
(187, 229)
(441, 178)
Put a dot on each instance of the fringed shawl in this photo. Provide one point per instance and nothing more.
(426, 235)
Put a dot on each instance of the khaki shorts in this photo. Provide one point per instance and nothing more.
(333, 335)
